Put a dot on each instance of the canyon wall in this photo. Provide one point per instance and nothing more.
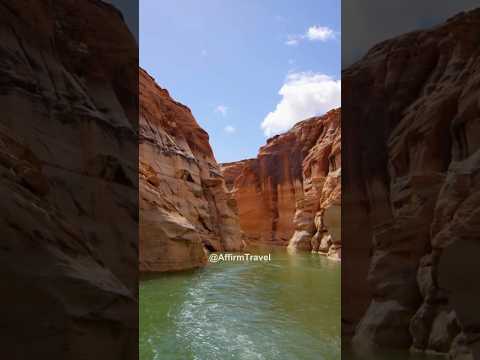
(290, 194)
(68, 181)
(411, 203)
(184, 206)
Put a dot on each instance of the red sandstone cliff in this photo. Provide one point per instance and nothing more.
(184, 207)
(290, 194)
(68, 181)
(411, 161)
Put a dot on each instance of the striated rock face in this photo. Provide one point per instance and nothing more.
(290, 194)
(411, 161)
(184, 205)
(68, 181)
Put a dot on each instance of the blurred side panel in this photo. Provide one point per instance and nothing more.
(68, 180)
(410, 154)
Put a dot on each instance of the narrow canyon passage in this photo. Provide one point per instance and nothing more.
(190, 206)
(288, 308)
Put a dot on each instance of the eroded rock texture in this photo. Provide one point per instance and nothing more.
(290, 194)
(184, 205)
(411, 162)
(68, 181)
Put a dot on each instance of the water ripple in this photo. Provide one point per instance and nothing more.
(285, 310)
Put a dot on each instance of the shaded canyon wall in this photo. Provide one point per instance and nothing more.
(411, 157)
(68, 181)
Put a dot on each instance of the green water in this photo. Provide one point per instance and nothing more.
(286, 309)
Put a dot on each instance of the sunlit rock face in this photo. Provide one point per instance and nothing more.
(184, 206)
(290, 194)
(68, 181)
(411, 158)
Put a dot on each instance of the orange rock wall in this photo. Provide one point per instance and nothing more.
(282, 195)
(184, 206)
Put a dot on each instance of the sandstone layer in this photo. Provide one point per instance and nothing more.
(68, 181)
(185, 210)
(410, 183)
(290, 194)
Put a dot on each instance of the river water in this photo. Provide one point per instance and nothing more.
(285, 309)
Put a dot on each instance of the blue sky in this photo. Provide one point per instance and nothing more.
(228, 60)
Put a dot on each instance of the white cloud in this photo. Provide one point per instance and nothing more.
(229, 129)
(304, 94)
(222, 109)
(320, 33)
(313, 33)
